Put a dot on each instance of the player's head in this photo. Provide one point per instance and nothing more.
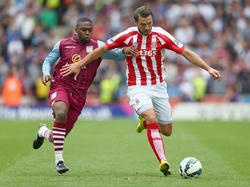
(84, 29)
(143, 18)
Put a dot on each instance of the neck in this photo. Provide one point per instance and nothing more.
(142, 33)
(80, 41)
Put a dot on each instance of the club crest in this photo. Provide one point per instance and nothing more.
(89, 49)
(135, 43)
(153, 45)
(53, 96)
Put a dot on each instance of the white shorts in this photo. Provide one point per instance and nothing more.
(156, 97)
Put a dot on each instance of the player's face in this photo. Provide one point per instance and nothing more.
(144, 24)
(84, 31)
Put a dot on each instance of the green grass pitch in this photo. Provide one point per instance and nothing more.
(111, 154)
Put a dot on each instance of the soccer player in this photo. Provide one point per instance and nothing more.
(147, 91)
(67, 96)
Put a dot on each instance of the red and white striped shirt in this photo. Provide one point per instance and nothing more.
(147, 67)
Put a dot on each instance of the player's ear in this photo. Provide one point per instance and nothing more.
(75, 30)
(135, 22)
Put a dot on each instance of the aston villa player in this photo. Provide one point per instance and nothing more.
(67, 96)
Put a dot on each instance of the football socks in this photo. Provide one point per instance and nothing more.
(59, 133)
(155, 140)
(45, 132)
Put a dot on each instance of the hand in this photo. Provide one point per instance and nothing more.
(215, 73)
(130, 51)
(71, 69)
(45, 79)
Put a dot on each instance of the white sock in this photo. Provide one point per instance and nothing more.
(58, 139)
(42, 130)
(46, 133)
(58, 156)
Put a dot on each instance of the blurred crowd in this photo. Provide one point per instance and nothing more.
(218, 30)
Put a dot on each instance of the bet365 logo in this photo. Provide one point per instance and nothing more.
(150, 53)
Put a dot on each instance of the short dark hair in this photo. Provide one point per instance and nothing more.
(143, 11)
(83, 19)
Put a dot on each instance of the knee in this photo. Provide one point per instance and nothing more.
(166, 129)
(61, 115)
(151, 119)
(167, 132)
(61, 111)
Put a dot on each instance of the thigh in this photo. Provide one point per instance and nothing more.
(60, 107)
(72, 118)
(161, 105)
(58, 101)
(163, 111)
(77, 102)
(139, 99)
(58, 94)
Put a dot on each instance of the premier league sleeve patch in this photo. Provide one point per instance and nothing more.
(89, 49)
(179, 44)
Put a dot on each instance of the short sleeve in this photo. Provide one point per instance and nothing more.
(169, 42)
(119, 40)
(115, 42)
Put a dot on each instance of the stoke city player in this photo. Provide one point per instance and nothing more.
(147, 91)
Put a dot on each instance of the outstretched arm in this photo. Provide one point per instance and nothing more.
(76, 67)
(197, 60)
(118, 54)
(114, 54)
(93, 56)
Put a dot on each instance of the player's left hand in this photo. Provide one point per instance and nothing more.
(215, 73)
(45, 79)
(130, 51)
(70, 69)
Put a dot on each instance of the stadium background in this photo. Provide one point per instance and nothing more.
(110, 152)
(218, 30)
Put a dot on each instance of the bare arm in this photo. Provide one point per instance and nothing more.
(197, 60)
(76, 67)
(100, 51)
(93, 56)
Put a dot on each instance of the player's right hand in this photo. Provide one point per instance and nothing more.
(215, 73)
(130, 51)
(46, 78)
